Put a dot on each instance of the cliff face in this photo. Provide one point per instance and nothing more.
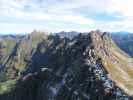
(83, 68)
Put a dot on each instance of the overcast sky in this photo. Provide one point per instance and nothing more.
(57, 15)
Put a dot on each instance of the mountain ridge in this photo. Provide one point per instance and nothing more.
(83, 67)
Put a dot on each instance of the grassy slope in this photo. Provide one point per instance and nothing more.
(9, 43)
(118, 64)
(121, 71)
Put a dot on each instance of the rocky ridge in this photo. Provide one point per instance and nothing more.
(76, 69)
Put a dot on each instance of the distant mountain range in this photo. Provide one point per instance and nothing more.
(124, 41)
(70, 34)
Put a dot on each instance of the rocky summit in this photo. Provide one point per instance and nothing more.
(49, 67)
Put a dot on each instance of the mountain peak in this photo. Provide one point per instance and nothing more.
(117, 63)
